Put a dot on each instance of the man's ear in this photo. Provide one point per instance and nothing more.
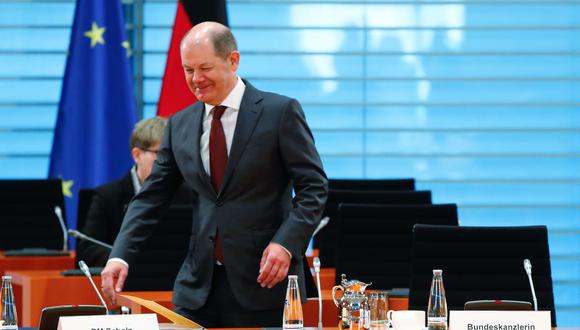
(135, 153)
(234, 59)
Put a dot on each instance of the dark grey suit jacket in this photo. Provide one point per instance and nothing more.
(272, 152)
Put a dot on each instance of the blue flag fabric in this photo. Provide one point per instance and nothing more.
(97, 106)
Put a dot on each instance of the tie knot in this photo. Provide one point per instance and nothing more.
(218, 111)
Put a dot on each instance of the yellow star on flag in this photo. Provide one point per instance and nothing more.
(127, 46)
(96, 35)
(66, 185)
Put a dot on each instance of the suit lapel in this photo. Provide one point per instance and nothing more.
(192, 140)
(249, 113)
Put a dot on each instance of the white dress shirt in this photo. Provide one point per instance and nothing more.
(228, 119)
(135, 179)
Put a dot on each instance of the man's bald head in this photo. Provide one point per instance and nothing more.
(217, 34)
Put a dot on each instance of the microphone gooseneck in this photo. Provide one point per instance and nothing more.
(323, 222)
(79, 235)
(316, 264)
(85, 269)
(528, 269)
(58, 213)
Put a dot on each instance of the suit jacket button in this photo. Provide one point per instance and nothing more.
(219, 203)
(212, 239)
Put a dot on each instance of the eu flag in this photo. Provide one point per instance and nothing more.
(97, 106)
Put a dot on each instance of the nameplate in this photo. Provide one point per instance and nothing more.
(500, 320)
(109, 322)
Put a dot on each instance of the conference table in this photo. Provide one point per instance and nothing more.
(36, 262)
(305, 328)
(310, 309)
(37, 289)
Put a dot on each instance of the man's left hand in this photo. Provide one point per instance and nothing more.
(273, 266)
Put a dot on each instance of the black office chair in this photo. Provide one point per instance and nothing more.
(28, 218)
(325, 240)
(371, 185)
(374, 241)
(85, 200)
(161, 256)
(481, 263)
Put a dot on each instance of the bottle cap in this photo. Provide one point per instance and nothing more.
(7, 277)
(292, 277)
(437, 272)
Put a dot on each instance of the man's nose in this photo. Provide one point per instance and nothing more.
(196, 77)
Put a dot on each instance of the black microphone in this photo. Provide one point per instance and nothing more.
(316, 264)
(79, 235)
(85, 269)
(528, 268)
(58, 213)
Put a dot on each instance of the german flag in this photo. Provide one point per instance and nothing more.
(175, 95)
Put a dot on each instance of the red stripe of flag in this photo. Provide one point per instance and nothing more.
(175, 95)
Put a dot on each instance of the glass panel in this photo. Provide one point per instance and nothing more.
(344, 167)
(41, 117)
(302, 40)
(25, 143)
(565, 244)
(32, 65)
(301, 66)
(473, 117)
(339, 143)
(24, 168)
(461, 168)
(57, 13)
(472, 66)
(457, 92)
(26, 91)
(474, 143)
(552, 217)
(476, 40)
(399, 15)
(565, 269)
(32, 40)
(159, 13)
(334, 117)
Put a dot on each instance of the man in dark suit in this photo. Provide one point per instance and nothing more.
(243, 151)
(110, 201)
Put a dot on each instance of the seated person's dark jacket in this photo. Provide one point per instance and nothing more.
(104, 219)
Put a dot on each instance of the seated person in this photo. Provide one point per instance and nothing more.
(110, 200)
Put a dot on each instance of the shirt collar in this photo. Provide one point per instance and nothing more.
(135, 179)
(234, 98)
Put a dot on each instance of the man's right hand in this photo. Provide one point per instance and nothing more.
(113, 271)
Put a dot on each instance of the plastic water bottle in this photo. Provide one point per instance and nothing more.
(9, 318)
(292, 318)
(437, 309)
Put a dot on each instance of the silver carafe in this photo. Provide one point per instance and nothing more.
(353, 307)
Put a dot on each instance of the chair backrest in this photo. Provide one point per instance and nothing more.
(50, 316)
(325, 240)
(370, 185)
(161, 256)
(481, 263)
(28, 219)
(85, 200)
(374, 241)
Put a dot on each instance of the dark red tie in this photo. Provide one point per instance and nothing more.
(218, 159)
